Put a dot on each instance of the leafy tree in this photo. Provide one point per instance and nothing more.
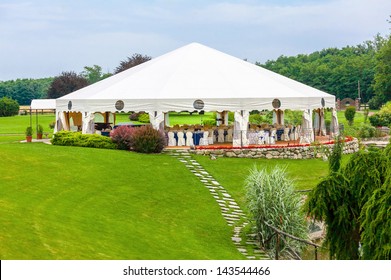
(271, 198)
(24, 90)
(333, 70)
(351, 204)
(66, 83)
(8, 107)
(382, 79)
(130, 62)
(350, 112)
(335, 156)
(94, 74)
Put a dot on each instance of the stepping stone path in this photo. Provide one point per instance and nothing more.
(230, 210)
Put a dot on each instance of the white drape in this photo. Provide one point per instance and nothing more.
(322, 123)
(240, 128)
(334, 123)
(61, 122)
(156, 118)
(307, 128)
(88, 123)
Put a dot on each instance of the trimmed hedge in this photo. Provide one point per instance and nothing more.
(69, 138)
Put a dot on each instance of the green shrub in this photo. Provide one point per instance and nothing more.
(293, 116)
(146, 139)
(366, 131)
(144, 118)
(386, 108)
(39, 129)
(68, 138)
(29, 131)
(52, 125)
(8, 107)
(380, 119)
(122, 137)
(255, 119)
(210, 122)
(350, 112)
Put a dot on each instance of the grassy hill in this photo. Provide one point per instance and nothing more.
(80, 203)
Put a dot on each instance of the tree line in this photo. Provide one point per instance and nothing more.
(25, 90)
(361, 71)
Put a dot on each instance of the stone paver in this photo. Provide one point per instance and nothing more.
(230, 210)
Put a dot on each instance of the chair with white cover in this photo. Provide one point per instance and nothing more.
(204, 140)
(261, 137)
(229, 135)
(273, 136)
(285, 136)
(267, 137)
(220, 136)
(171, 139)
(189, 138)
(252, 137)
(296, 133)
(181, 138)
(211, 136)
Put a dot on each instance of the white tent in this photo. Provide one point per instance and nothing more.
(194, 77)
(43, 104)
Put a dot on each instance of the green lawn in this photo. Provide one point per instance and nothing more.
(232, 172)
(80, 203)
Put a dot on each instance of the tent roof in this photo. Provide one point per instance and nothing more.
(42, 104)
(173, 81)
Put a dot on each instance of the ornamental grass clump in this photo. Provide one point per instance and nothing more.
(271, 198)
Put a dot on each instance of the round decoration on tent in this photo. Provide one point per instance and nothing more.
(323, 102)
(276, 103)
(70, 105)
(198, 104)
(119, 105)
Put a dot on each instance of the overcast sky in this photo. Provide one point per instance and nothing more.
(42, 38)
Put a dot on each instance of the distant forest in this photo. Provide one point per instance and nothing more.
(342, 72)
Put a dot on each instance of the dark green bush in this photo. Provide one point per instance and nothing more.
(8, 107)
(380, 119)
(146, 139)
(68, 138)
(350, 112)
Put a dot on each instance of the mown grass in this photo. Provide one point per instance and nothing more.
(80, 203)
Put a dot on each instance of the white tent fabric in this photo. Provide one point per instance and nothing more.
(43, 104)
(334, 123)
(174, 81)
(156, 119)
(307, 129)
(88, 123)
(322, 123)
(61, 122)
(240, 128)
